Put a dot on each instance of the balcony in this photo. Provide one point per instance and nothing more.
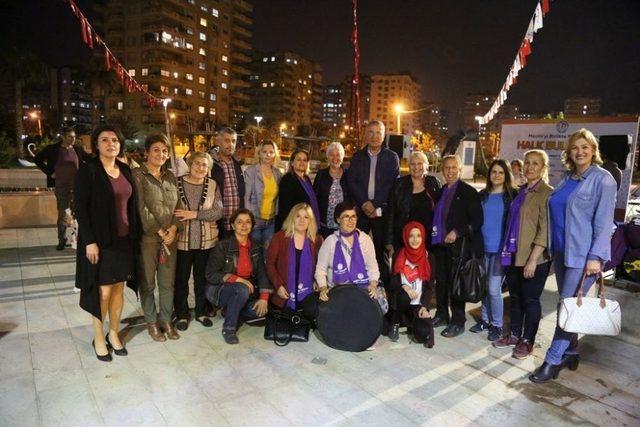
(240, 57)
(240, 95)
(240, 70)
(242, 19)
(241, 44)
(240, 83)
(244, 5)
(241, 31)
(239, 108)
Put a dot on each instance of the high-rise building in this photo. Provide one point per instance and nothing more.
(195, 53)
(71, 100)
(286, 88)
(333, 106)
(581, 107)
(475, 104)
(388, 91)
(349, 97)
(434, 121)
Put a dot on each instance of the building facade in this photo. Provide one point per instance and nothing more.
(389, 91)
(286, 88)
(349, 97)
(196, 53)
(333, 112)
(581, 107)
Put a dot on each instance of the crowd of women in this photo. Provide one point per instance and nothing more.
(259, 240)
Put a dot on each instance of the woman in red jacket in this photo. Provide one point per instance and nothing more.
(291, 261)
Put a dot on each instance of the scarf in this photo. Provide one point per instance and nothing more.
(442, 210)
(418, 257)
(311, 195)
(513, 226)
(356, 273)
(304, 287)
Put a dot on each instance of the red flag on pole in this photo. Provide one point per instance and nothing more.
(545, 7)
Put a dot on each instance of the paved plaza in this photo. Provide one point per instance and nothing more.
(50, 376)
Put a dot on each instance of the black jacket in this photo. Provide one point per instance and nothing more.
(507, 197)
(398, 208)
(387, 171)
(223, 259)
(290, 193)
(465, 216)
(322, 185)
(47, 158)
(95, 211)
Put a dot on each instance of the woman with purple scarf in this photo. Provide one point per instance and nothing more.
(291, 261)
(458, 214)
(525, 257)
(295, 187)
(348, 257)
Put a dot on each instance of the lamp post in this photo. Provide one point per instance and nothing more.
(172, 156)
(399, 109)
(258, 119)
(36, 116)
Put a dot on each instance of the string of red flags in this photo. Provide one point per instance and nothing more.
(520, 61)
(91, 39)
(356, 66)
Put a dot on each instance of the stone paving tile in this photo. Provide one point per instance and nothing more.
(49, 374)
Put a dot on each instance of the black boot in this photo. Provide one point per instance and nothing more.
(570, 361)
(61, 244)
(545, 373)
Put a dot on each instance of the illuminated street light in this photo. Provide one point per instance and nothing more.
(36, 116)
(399, 109)
(165, 103)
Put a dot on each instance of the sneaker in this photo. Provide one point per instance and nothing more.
(479, 327)
(394, 332)
(506, 341)
(523, 349)
(495, 333)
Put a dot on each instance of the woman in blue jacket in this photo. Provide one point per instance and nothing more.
(581, 218)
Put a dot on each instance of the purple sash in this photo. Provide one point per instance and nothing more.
(356, 273)
(305, 274)
(440, 215)
(513, 226)
(308, 188)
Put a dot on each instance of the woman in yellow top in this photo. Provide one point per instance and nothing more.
(261, 192)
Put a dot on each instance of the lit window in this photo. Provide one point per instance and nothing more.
(295, 61)
(166, 37)
(272, 84)
(201, 80)
(176, 74)
(264, 84)
(212, 111)
(203, 22)
(202, 66)
(202, 52)
(189, 31)
(203, 37)
(144, 71)
(188, 91)
(265, 59)
(204, 8)
(214, 12)
(212, 96)
(309, 75)
(201, 94)
(188, 45)
(201, 109)
(225, 72)
(164, 89)
(189, 76)
(120, 105)
(223, 85)
(224, 58)
(132, 72)
(165, 73)
(273, 58)
(288, 60)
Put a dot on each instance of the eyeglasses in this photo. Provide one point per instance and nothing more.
(349, 217)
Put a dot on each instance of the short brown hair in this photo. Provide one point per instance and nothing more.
(153, 138)
(242, 211)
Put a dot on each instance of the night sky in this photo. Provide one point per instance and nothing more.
(586, 48)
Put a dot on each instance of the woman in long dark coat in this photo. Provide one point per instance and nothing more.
(108, 237)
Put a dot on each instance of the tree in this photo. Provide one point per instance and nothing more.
(126, 126)
(22, 68)
(99, 80)
(424, 142)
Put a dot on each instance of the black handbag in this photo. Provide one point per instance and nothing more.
(286, 325)
(469, 282)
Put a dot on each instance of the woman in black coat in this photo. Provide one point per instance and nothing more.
(413, 198)
(108, 237)
(295, 187)
(331, 188)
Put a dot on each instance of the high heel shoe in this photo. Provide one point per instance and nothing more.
(545, 373)
(118, 351)
(104, 358)
(570, 361)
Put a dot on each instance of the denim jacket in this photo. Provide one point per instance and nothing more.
(254, 187)
(588, 223)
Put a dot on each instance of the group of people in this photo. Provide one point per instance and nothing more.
(258, 240)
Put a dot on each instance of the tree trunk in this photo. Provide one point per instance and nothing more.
(19, 128)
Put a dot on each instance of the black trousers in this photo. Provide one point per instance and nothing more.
(524, 297)
(376, 226)
(195, 259)
(444, 256)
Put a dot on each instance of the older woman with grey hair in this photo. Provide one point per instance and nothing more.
(331, 188)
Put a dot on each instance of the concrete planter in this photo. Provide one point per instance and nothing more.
(28, 209)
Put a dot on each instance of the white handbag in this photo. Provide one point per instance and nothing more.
(589, 315)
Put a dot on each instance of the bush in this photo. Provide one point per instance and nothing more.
(7, 151)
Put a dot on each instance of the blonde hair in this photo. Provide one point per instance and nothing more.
(545, 162)
(289, 223)
(264, 142)
(421, 156)
(593, 142)
(199, 155)
(454, 157)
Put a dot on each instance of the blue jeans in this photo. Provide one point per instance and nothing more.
(492, 305)
(237, 300)
(568, 280)
(263, 232)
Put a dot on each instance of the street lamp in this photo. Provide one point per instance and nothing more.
(258, 119)
(399, 109)
(165, 103)
(36, 116)
(283, 127)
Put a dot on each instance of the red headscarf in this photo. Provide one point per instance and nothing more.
(419, 256)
